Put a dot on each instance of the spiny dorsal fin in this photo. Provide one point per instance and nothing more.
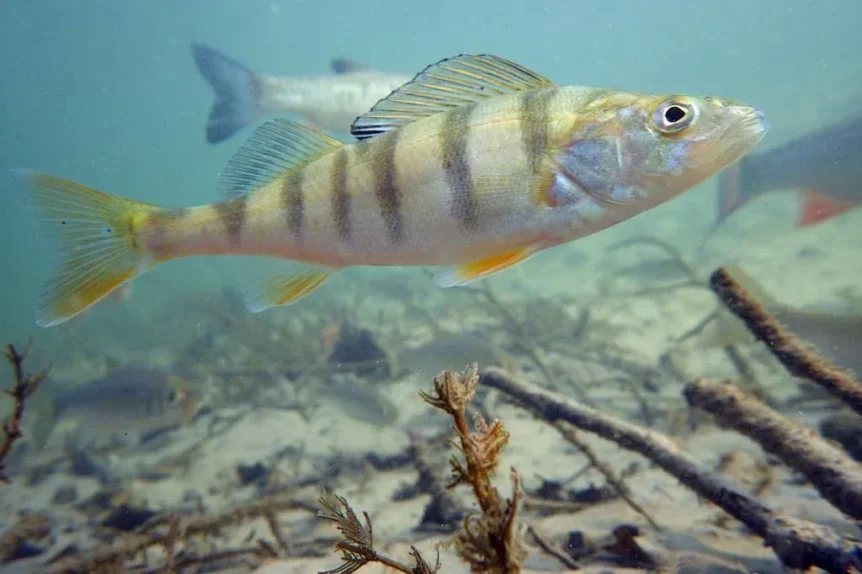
(448, 84)
(346, 66)
(277, 146)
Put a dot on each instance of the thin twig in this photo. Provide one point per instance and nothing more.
(672, 251)
(276, 530)
(837, 477)
(520, 339)
(24, 385)
(546, 547)
(797, 543)
(569, 433)
(145, 536)
(744, 369)
(218, 556)
(169, 543)
(798, 360)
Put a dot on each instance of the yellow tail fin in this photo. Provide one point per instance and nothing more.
(99, 243)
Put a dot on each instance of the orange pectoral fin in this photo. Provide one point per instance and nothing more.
(817, 207)
(479, 268)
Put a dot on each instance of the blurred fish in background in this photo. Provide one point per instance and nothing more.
(451, 352)
(327, 102)
(825, 165)
(130, 398)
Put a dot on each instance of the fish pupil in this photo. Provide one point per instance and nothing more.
(674, 114)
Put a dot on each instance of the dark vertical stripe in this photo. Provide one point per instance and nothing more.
(293, 201)
(535, 124)
(386, 186)
(340, 198)
(160, 224)
(454, 136)
(232, 215)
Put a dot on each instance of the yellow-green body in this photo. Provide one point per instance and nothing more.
(477, 163)
(431, 228)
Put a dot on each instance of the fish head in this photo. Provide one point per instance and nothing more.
(183, 399)
(637, 151)
(176, 403)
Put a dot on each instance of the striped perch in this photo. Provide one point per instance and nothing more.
(477, 163)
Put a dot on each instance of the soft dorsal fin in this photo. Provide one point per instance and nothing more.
(448, 84)
(346, 66)
(277, 146)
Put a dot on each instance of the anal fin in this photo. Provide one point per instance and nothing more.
(484, 267)
(817, 207)
(285, 289)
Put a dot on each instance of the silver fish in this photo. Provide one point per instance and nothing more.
(358, 400)
(825, 164)
(130, 398)
(452, 353)
(331, 102)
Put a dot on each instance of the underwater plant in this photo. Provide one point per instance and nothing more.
(491, 543)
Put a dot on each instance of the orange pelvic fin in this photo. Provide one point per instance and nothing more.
(285, 289)
(479, 268)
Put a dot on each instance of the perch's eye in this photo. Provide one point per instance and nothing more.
(672, 116)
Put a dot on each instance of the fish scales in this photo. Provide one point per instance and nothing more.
(435, 222)
(477, 163)
(339, 196)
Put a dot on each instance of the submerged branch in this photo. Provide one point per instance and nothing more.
(798, 360)
(169, 530)
(797, 543)
(834, 475)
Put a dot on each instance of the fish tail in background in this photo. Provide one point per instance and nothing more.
(99, 243)
(237, 90)
(731, 193)
(730, 198)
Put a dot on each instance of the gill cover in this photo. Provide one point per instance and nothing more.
(613, 157)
